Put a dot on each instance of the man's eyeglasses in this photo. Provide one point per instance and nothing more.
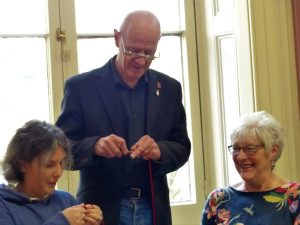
(248, 149)
(139, 53)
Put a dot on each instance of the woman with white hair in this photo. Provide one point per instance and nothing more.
(262, 197)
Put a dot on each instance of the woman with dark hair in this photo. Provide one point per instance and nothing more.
(34, 161)
(262, 197)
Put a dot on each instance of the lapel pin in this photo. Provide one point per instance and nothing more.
(158, 87)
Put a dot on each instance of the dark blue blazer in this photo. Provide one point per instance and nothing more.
(91, 109)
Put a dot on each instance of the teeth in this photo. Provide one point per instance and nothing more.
(245, 166)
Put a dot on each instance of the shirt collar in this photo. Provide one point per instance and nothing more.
(117, 78)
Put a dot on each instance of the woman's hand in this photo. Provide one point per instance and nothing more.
(75, 214)
(93, 215)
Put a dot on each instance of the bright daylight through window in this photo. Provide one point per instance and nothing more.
(23, 70)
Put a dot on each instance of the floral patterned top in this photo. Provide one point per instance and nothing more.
(227, 206)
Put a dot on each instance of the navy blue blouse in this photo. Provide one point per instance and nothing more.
(227, 206)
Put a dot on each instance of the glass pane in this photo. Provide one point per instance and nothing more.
(226, 6)
(23, 85)
(180, 185)
(93, 53)
(23, 17)
(170, 57)
(103, 16)
(230, 94)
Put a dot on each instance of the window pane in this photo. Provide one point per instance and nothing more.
(23, 17)
(23, 85)
(23, 69)
(103, 16)
(231, 95)
(170, 57)
(93, 53)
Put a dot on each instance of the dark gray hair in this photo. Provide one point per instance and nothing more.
(34, 139)
(260, 126)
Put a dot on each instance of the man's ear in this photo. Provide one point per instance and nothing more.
(117, 36)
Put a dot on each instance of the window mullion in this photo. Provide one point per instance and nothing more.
(55, 71)
(62, 56)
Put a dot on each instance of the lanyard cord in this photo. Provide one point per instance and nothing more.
(152, 192)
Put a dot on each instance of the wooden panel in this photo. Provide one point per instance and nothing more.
(296, 14)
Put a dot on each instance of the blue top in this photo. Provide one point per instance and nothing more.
(19, 209)
(227, 206)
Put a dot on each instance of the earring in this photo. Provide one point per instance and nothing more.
(273, 163)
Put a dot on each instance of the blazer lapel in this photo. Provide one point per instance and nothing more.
(153, 100)
(111, 101)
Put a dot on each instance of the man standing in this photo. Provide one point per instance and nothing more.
(127, 126)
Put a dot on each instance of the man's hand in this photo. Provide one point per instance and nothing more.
(147, 148)
(111, 146)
